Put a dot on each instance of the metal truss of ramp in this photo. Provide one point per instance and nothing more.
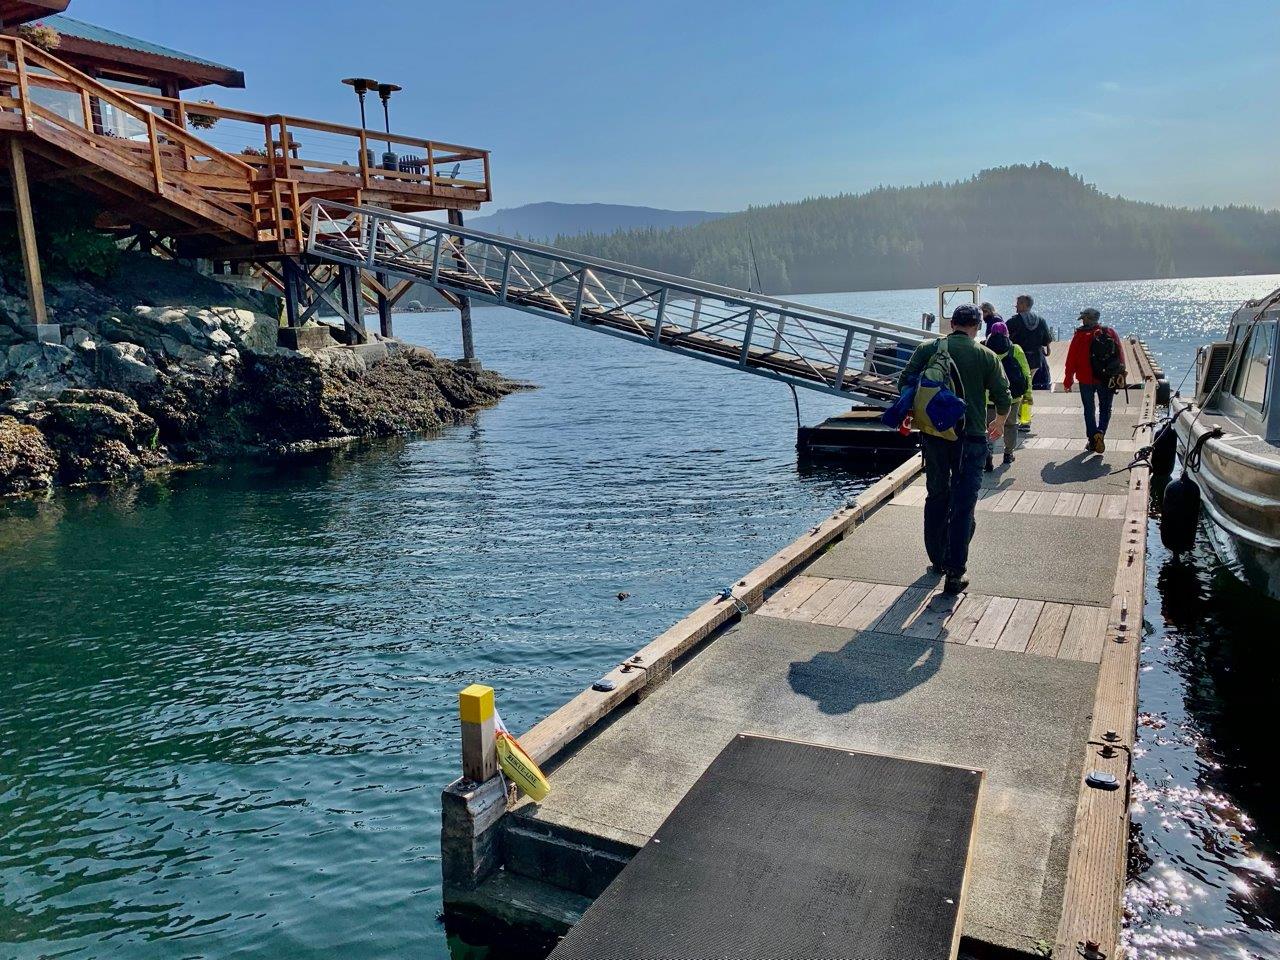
(834, 353)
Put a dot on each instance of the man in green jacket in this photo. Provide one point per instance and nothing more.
(953, 468)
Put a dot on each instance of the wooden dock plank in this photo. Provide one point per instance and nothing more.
(873, 606)
(1005, 501)
(960, 627)
(819, 600)
(1068, 504)
(986, 633)
(1017, 632)
(1046, 637)
(1027, 502)
(932, 617)
(788, 600)
(1090, 505)
(849, 597)
(904, 610)
(1113, 507)
(1086, 631)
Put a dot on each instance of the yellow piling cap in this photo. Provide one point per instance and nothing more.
(475, 703)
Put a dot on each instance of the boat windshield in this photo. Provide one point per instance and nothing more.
(1252, 373)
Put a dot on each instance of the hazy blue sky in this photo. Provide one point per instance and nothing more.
(718, 105)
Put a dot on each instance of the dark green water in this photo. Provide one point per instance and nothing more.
(229, 696)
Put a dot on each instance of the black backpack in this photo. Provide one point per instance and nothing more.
(1013, 373)
(1105, 359)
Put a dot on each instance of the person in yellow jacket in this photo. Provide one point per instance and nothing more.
(1018, 372)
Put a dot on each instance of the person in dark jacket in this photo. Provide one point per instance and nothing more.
(989, 316)
(1029, 331)
(1080, 368)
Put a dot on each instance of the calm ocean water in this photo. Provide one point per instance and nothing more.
(229, 696)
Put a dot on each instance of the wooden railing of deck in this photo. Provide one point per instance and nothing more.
(257, 194)
(284, 150)
(205, 179)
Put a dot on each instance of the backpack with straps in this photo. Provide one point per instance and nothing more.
(1013, 373)
(939, 407)
(1105, 359)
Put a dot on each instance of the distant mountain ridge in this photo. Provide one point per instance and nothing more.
(1018, 224)
(546, 221)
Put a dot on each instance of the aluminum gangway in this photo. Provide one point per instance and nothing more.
(835, 353)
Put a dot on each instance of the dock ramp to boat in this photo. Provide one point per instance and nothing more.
(834, 353)
(788, 849)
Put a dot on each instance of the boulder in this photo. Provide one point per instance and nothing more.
(44, 368)
(125, 364)
(107, 398)
(27, 462)
(247, 330)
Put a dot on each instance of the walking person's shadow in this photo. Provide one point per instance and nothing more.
(872, 666)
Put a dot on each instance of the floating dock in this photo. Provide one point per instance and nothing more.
(843, 640)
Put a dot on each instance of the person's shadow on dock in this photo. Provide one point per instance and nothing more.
(874, 666)
(1081, 468)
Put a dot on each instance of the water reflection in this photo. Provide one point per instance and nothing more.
(1203, 876)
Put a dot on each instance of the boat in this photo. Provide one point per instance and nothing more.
(1229, 441)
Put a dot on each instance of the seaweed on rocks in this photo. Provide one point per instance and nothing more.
(132, 388)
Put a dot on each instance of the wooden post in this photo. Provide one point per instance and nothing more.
(464, 310)
(289, 269)
(384, 306)
(27, 234)
(479, 753)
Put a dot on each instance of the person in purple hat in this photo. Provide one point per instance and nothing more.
(1018, 372)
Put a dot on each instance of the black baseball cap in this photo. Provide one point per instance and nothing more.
(966, 315)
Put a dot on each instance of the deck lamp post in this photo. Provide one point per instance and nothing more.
(362, 85)
(389, 159)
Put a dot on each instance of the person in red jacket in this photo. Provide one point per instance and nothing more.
(1081, 358)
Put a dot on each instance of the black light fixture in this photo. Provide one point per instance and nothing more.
(389, 159)
(362, 85)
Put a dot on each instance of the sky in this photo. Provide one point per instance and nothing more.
(720, 105)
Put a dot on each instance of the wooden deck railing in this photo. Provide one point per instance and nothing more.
(298, 148)
(71, 109)
(253, 183)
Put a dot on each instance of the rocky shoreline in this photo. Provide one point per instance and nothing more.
(189, 373)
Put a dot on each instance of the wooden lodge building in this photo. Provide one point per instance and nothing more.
(105, 113)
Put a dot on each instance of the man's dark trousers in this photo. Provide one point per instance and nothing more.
(1096, 422)
(953, 477)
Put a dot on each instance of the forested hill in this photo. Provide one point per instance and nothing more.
(1019, 224)
(543, 221)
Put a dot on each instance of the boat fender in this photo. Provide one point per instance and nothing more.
(518, 765)
(1164, 451)
(1164, 392)
(1180, 514)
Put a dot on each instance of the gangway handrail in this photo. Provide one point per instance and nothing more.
(674, 281)
(804, 346)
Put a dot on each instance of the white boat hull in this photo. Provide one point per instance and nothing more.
(1240, 493)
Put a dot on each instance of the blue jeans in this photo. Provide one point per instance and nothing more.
(1096, 422)
(953, 477)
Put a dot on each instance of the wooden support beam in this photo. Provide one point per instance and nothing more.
(384, 307)
(290, 270)
(464, 309)
(27, 232)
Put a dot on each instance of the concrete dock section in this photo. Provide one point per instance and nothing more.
(845, 640)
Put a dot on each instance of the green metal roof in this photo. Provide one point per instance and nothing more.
(88, 31)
